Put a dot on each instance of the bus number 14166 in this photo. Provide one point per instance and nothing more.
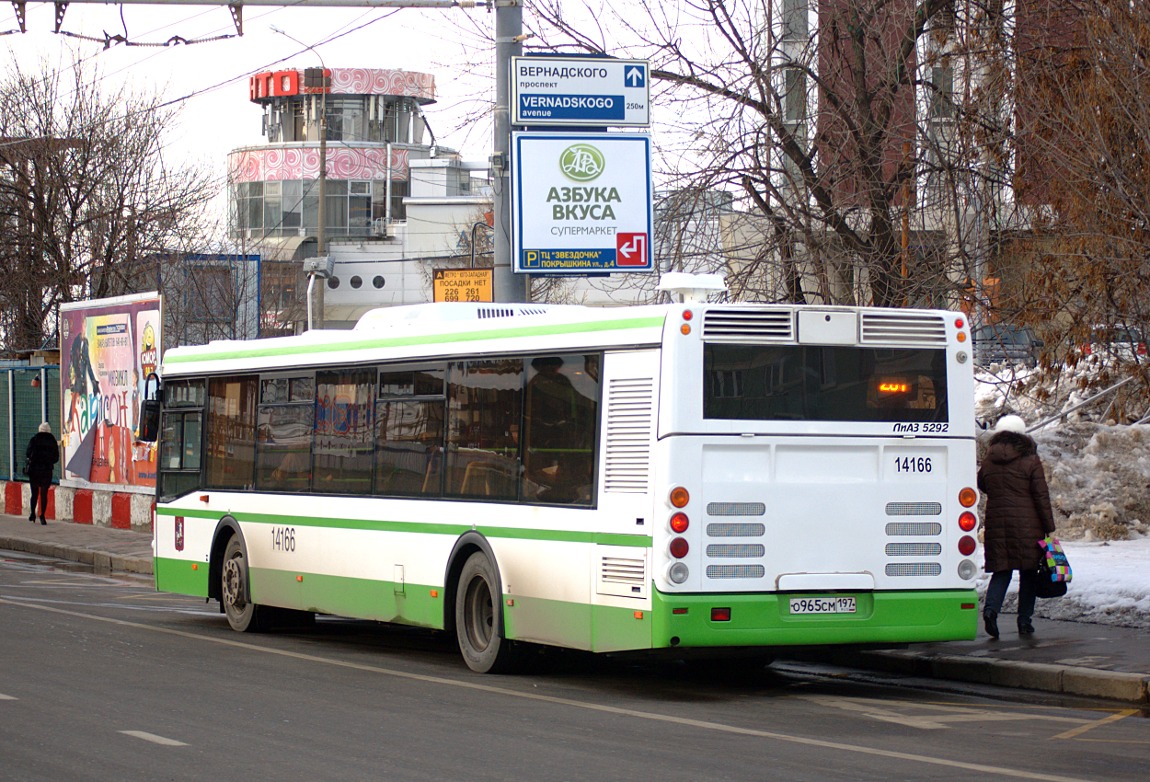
(283, 538)
(912, 464)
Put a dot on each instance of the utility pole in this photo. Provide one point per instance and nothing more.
(506, 285)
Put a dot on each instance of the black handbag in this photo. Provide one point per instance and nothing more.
(1046, 586)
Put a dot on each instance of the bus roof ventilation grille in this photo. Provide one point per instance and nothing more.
(748, 325)
(416, 315)
(903, 327)
(508, 312)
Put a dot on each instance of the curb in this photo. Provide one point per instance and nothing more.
(102, 561)
(1063, 679)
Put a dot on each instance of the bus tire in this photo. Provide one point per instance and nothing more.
(244, 616)
(476, 622)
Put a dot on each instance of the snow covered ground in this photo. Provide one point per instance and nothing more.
(1111, 584)
(1099, 476)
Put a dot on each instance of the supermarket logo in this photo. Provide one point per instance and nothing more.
(581, 162)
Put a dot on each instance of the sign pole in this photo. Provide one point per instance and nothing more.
(509, 286)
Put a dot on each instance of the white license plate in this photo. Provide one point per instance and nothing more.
(822, 605)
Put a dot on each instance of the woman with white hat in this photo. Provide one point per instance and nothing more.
(1017, 517)
(42, 454)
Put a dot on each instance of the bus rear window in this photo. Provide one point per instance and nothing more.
(815, 383)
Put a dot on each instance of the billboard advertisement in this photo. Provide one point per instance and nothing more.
(108, 347)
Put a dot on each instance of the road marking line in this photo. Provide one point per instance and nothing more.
(4, 697)
(914, 714)
(152, 737)
(568, 702)
(1074, 732)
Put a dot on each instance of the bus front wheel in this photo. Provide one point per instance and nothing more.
(476, 625)
(235, 594)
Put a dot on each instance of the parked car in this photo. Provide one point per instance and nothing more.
(1121, 342)
(1004, 343)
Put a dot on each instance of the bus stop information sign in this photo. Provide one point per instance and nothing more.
(580, 91)
(581, 203)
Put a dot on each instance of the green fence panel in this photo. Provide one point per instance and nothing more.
(7, 468)
(28, 397)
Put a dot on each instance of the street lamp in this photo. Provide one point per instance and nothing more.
(321, 230)
(478, 224)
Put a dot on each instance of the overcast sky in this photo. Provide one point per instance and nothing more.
(448, 43)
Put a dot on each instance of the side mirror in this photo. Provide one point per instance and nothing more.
(150, 411)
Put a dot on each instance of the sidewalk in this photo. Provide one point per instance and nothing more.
(1074, 658)
(104, 548)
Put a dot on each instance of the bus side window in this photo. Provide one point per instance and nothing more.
(559, 428)
(344, 444)
(409, 431)
(485, 399)
(181, 438)
(231, 443)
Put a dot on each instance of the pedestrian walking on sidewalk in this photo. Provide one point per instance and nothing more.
(1017, 517)
(42, 454)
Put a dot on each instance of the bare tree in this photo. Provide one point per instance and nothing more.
(86, 194)
(809, 114)
(1091, 130)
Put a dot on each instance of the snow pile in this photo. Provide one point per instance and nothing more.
(1099, 473)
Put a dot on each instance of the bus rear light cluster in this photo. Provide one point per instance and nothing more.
(685, 327)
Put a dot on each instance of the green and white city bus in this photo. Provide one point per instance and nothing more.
(678, 477)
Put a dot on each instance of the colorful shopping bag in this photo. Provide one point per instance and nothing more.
(1054, 560)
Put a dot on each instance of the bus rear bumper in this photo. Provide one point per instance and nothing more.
(717, 620)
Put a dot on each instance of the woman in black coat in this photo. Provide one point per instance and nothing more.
(43, 453)
(1017, 518)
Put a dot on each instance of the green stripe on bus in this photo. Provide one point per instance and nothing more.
(592, 628)
(418, 605)
(765, 619)
(422, 527)
(268, 351)
(180, 576)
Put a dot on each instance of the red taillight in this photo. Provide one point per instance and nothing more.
(680, 522)
(967, 521)
(720, 614)
(679, 548)
(1142, 348)
(959, 323)
(687, 314)
(966, 545)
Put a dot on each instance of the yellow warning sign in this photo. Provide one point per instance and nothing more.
(462, 285)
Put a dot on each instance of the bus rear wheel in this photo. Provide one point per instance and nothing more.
(476, 622)
(244, 616)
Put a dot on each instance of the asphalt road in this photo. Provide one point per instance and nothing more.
(103, 679)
